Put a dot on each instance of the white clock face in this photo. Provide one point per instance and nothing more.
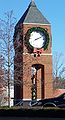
(37, 39)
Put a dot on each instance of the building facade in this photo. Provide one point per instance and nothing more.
(33, 56)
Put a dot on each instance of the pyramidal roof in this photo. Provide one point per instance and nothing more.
(33, 15)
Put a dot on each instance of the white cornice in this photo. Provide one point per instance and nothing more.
(35, 24)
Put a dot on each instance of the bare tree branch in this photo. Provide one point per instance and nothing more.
(7, 49)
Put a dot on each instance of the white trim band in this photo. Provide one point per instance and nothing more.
(36, 24)
(27, 99)
(30, 99)
(40, 54)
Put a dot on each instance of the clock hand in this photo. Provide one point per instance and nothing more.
(37, 38)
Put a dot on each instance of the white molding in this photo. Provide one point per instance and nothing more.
(35, 24)
(30, 99)
(27, 99)
(43, 54)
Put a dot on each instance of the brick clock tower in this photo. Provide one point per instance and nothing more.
(33, 56)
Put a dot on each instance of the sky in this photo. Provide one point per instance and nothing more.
(53, 10)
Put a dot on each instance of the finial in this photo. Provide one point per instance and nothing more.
(32, 3)
(32, 0)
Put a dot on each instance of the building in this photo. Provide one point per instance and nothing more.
(33, 56)
(4, 95)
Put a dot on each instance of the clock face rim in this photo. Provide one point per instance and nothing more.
(27, 37)
(37, 39)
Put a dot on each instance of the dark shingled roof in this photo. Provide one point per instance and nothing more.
(33, 15)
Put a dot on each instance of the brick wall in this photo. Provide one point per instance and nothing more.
(44, 60)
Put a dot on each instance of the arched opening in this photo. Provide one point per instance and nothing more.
(37, 76)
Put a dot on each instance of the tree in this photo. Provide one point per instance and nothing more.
(58, 66)
(2, 71)
(58, 71)
(7, 49)
(3, 83)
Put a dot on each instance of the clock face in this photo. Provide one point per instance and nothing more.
(37, 39)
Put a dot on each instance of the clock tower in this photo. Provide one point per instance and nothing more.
(33, 56)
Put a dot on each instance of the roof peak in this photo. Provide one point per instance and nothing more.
(33, 12)
(32, 3)
(32, 0)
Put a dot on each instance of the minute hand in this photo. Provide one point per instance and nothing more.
(37, 38)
